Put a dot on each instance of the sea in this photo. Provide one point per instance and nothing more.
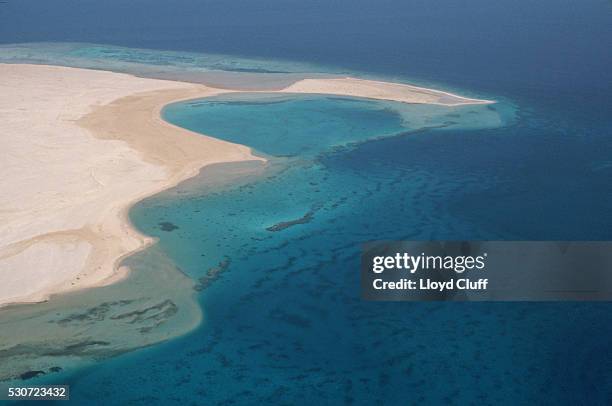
(274, 247)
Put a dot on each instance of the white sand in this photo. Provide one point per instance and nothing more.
(380, 90)
(78, 147)
(64, 191)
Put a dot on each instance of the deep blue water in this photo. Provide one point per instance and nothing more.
(478, 44)
(284, 323)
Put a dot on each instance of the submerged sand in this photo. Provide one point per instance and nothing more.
(77, 148)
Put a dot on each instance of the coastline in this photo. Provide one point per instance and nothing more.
(163, 153)
(192, 151)
(94, 233)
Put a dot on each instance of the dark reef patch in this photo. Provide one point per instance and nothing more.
(31, 374)
(167, 226)
(306, 218)
(212, 274)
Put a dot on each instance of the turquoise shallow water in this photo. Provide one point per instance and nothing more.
(302, 136)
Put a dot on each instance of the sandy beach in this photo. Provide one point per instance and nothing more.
(373, 89)
(77, 152)
(79, 147)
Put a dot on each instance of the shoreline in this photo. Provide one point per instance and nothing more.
(133, 117)
(187, 172)
(88, 247)
(379, 90)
